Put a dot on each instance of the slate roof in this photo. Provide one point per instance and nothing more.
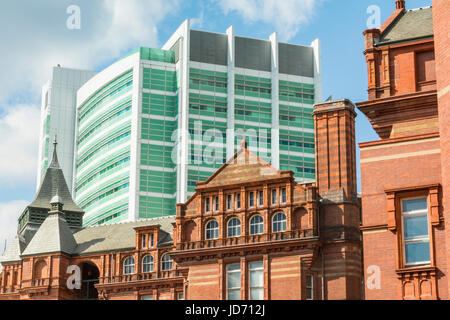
(12, 253)
(54, 183)
(120, 236)
(411, 25)
(54, 235)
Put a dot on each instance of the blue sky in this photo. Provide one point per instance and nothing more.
(35, 38)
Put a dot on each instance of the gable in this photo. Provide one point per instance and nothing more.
(243, 167)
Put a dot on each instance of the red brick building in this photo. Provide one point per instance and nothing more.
(404, 176)
(249, 232)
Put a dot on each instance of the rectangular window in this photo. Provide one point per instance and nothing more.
(274, 196)
(150, 241)
(283, 195)
(216, 203)
(207, 205)
(251, 199)
(180, 296)
(416, 240)
(229, 199)
(309, 287)
(148, 297)
(256, 280)
(144, 241)
(238, 201)
(234, 281)
(260, 198)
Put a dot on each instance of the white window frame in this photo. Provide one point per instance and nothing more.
(283, 191)
(229, 202)
(168, 261)
(151, 264)
(309, 288)
(207, 205)
(226, 280)
(251, 196)
(216, 203)
(418, 239)
(250, 287)
(279, 222)
(238, 227)
(144, 241)
(273, 203)
(237, 201)
(260, 198)
(259, 223)
(127, 266)
(215, 230)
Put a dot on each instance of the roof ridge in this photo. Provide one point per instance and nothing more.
(420, 8)
(125, 222)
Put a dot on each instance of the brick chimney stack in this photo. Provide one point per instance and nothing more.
(339, 213)
(400, 4)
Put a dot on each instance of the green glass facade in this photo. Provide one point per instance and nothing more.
(128, 163)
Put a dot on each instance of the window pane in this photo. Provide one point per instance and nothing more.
(234, 280)
(415, 226)
(414, 204)
(233, 267)
(417, 252)
(234, 294)
(256, 265)
(256, 294)
(256, 278)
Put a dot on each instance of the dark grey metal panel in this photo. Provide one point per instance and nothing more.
(209, 47)
(176, 49)
(296, 60)
(253, 54)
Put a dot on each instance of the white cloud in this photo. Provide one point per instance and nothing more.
(198, 21)
(286, 15)
(9, 213)
(19, 129)
(35, 37)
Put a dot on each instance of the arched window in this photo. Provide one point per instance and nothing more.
(166, 262)
(256, 225)
(212, 230)
(147, 263)
(234, 227)
(279, 222)
(128, 266)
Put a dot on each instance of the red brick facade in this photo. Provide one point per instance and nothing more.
(441, 9)
(298, 241)
(311, 241)
(406, 163)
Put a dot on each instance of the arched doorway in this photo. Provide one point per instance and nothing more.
(89, 277)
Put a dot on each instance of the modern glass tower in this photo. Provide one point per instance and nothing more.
(154, 123)
(58, 108)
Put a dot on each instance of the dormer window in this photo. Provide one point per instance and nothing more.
(251, 199)
(260, 198)
(274, 196)
(144, 241)
(229, 199)
(150, 241)
(283, 195)
(216, 203)
(238, 201)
